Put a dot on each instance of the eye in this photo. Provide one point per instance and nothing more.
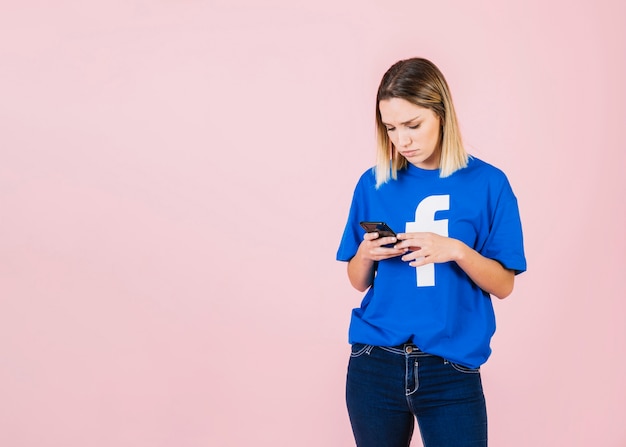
(390, 129)
(414, 127)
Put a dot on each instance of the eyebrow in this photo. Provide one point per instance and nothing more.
(404, 123)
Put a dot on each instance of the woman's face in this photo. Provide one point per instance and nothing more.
(413, 130)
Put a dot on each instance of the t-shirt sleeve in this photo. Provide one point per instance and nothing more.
(505, 242)
(353, 233)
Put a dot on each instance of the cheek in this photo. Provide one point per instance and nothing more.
(419, 135)
(434, 135)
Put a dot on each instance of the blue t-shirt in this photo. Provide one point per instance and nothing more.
(437, 306)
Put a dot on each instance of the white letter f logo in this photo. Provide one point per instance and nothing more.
(425, 222)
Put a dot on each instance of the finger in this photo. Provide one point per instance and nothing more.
(405, 236)
(411, 240)
(416, 259)
(388, 240)
(370, 236)
(419, 261)
(413, 255)
(386, 253)
(383, 242)
(408, 245)
(384, 246)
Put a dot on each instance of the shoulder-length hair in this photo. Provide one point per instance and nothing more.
(420, 82)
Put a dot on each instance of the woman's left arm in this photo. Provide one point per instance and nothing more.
(488, 274)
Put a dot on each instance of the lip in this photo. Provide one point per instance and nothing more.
(409, 153)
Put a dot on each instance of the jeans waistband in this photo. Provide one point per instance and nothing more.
(404, 348)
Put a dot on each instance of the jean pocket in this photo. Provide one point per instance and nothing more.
(358, 349)
(463, 369)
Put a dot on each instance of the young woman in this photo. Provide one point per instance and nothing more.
(424, 326)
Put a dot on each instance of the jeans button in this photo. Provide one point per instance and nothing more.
(408, 349)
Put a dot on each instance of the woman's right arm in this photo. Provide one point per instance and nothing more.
(362, 266)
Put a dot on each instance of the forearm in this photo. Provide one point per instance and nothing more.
(361, 272)
(362, 266)
(486, 273)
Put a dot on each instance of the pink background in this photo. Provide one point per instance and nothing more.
(175, 177)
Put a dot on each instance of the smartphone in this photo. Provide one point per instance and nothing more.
(381, 228)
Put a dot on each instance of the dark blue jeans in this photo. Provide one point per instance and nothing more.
(388, 388)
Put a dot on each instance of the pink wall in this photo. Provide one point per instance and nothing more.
(174, 180)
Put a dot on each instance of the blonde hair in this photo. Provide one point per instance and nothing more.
(420, 82)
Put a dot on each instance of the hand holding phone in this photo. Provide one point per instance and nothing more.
(381, 228)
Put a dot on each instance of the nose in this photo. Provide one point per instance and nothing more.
(404, 139)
